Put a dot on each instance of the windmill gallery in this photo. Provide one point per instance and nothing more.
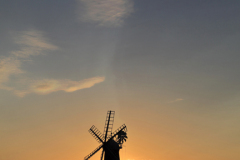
(111, 143)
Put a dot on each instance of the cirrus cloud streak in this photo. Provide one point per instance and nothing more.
(50, 85)
(33, 43)
(176, 100)
(105, 12)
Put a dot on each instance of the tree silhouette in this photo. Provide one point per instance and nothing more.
(121, 137)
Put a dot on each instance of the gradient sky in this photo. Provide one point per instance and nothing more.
(169, 69)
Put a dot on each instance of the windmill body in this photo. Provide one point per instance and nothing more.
(111, 143)
(112, 151)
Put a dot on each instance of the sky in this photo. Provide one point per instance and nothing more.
(169, 69)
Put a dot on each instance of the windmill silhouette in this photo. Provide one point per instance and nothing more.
(110, 142)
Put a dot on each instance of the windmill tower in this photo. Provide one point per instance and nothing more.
(110, 142)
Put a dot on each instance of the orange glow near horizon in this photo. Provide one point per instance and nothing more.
(155, 135)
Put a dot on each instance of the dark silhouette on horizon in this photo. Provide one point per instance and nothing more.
(111, 143)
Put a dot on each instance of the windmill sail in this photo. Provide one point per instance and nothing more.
(108, 125)
(122, 128)
(96, 134)
(93, 152)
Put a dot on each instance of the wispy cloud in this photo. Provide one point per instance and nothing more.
(8, 66)
(47, 86)
(176, 100)
(32, 43)
(105, 12)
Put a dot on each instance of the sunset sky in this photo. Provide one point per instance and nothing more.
(169, 69)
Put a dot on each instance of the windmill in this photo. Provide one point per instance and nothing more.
(110, 142)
